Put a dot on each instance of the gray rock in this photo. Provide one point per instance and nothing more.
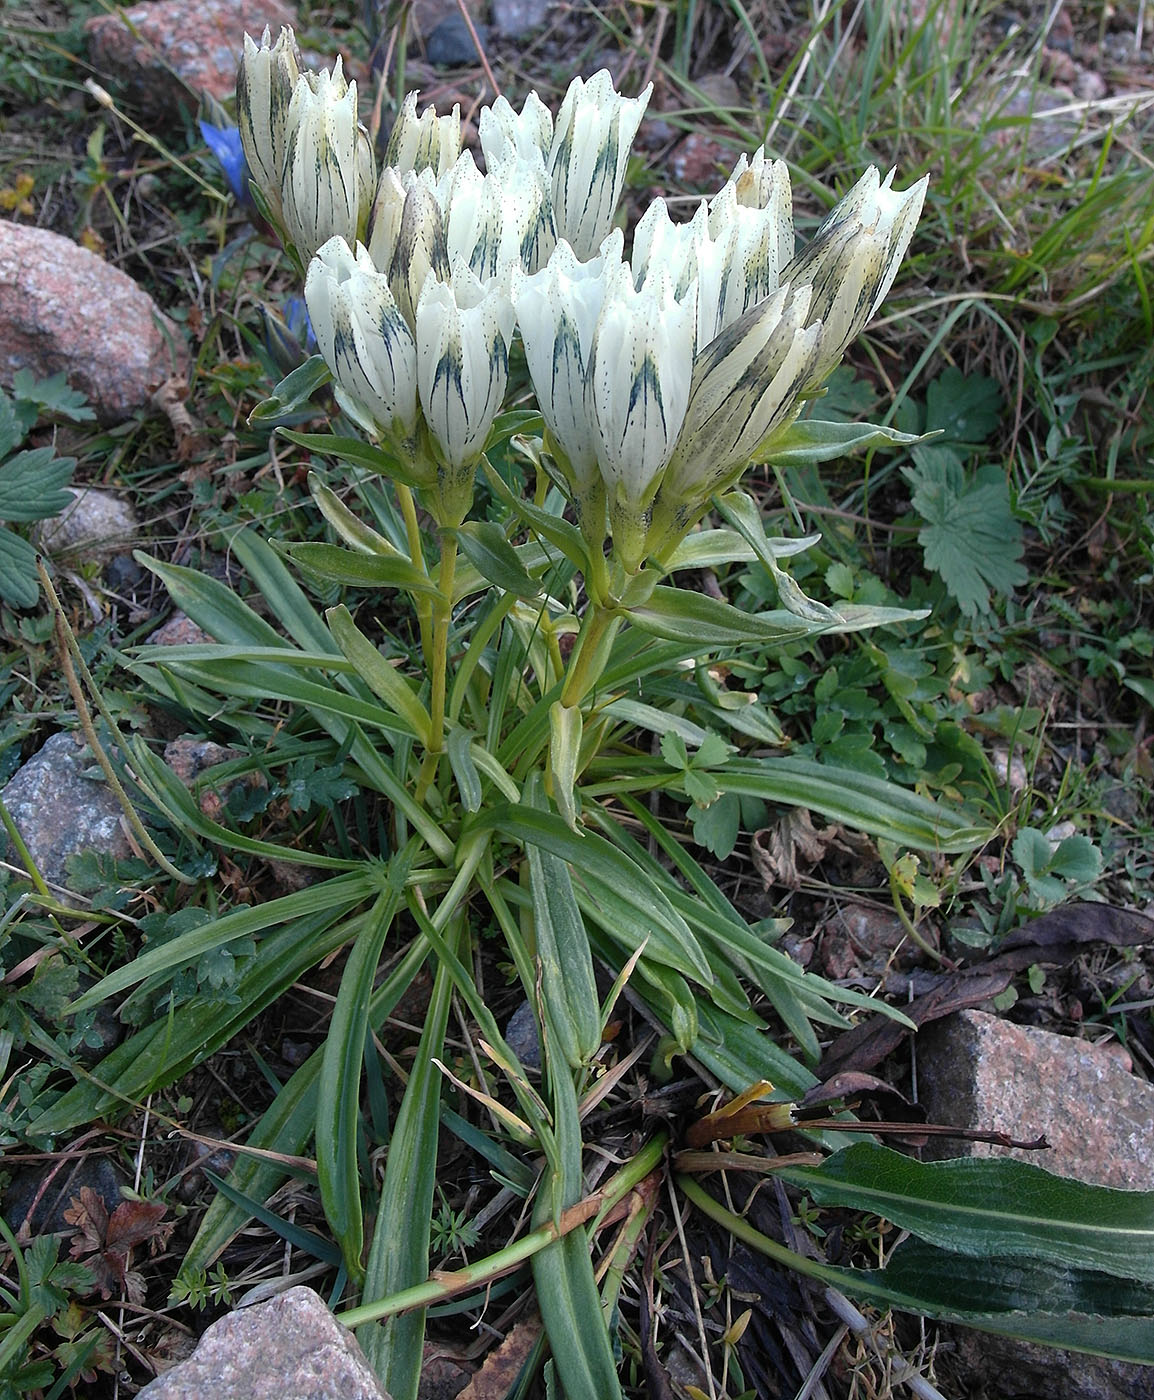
(1014, 1370)
(60, 811)
(98, 525)
(450, 45)
(143, 48)
(978, 1071)
(291, 1348)
(178, 631)
(521, 1036)
(64, 309)
(37, 1197)
(514, 18)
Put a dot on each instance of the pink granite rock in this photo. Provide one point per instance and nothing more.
(146, 47)
(978, 1071)
(287, 1349)
(63, 308)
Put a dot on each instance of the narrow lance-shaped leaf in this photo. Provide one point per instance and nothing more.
(992, 1207)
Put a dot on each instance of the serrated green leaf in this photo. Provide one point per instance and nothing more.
(965, 407)
(970, 537)
(53, 395)
(32, 482)
(673, 750)
(1077, 858)
(18, 583)
(12, 430)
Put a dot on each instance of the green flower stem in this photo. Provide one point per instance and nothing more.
(741, 1229)
(439, 662)
(413, 534)
(587, 660)
(443, 1284)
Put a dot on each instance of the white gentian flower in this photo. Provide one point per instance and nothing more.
(753, 213)
(557, 312)
(363, 338)
(463, 331)
(660, 243)
(427, 142)
(504, 133)
(264, 87)
(746, 387)
(419, 250)
(385, 217)
(852, 260)
(591, 139)
(330, 173)
(639, 379)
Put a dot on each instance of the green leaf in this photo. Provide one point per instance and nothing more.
(331, 897)
(12, 425)
(971, 537)
(1056, 1304)
(378, 674)
(566, 727)
(292, 396)
(355, 533)
(855, 799)
(359, 570)
(358, 453)
(399, 1254)
(1077, 858)
(992, 1207)
(159, 1054)
(17, 570)
(53, 395)
(32, 484)
(812, 440)
(1077, 1309)
(573, 1011)
(339, 1097)
(563, 1272)
(612, 888)
(678, 614)
(965, 407)
(743, 514)
(559, 533)
(484, 545)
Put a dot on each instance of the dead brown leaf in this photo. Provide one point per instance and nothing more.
(502, 1366)
(784, 852)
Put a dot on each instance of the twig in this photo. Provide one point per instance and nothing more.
(902, 1370)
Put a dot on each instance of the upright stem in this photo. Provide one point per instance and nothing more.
(439, 662)
(417, 555)
(582, 675)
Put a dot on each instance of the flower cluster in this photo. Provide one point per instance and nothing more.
(660, 377)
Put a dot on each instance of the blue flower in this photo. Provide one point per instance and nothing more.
(224, 143)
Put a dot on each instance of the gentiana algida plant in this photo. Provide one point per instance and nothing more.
(511, 729)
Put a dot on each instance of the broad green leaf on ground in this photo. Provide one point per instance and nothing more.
(17, 570)
(993, 1207)
(1036, 1300)
(1078, 1309)
(32, 484)
(970, 537)
(965, 408)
